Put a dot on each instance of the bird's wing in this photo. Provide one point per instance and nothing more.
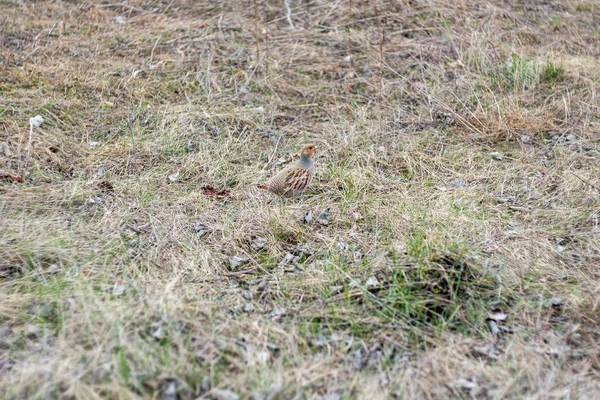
(298, 178)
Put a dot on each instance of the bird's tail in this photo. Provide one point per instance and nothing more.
(261, 186)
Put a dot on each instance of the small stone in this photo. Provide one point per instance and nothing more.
(336, 289)
(5, 149)
(287, 259)
(497, 316)
(258, 243)
(118, 290)
(190, 146)
(53, 269)
(324, 217)
(32, 331)
(308, 217)
(169, 391)
(158, 333)
(276, 390)
(372, 281)
(120, 19)
(556, 301)
(505, 199)
(174, 177)
(570, 138)
(496, 155)
(100, 172)
(237, 261)
(206, 383)
(493, 326)
(247, 295)
(525, 138)
(223, 394)
(262, 285)
(4, 331)
(248, 307)
(335, 395)
(93, 143)
(355, 283)
(36, 121)
(278, 313)
(459, 183)
(258, 395)
(200, 229)
(342, 246)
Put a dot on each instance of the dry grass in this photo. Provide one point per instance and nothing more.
(116, 281)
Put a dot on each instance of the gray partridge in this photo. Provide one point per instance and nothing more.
(294, 179)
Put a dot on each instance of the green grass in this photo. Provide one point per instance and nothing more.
(111, 293)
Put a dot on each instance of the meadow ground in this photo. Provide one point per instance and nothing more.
(458, 153)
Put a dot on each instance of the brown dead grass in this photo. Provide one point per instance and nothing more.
(120, 214)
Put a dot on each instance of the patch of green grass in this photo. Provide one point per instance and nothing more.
(518, 71)
(552, 73)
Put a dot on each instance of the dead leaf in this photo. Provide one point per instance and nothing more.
(10, 178)
(211, 191)
(105, 186)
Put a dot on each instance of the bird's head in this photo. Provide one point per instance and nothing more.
(307, 151)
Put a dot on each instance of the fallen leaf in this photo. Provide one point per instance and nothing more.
(106, 186)
(211, 191)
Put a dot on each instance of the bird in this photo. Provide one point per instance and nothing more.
(295, 178)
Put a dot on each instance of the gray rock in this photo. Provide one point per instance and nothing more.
(223, 394)
(174, 177)
(496, 155)
(459, 183)
(169, 391)
(323, 218)
(556, 301)
(200, 229)
(5, 149)
(36, 121)
(287, 259)
(258, 243)
(372, 281)
(237, 261)
(308, 217)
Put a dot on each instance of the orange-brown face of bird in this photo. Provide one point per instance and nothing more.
(308, 150)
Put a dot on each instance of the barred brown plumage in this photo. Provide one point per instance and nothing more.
(293, 180)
